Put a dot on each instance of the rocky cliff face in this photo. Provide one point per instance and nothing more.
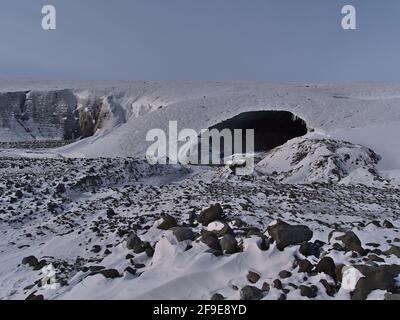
(50, 115)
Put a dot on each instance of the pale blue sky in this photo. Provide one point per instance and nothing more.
(280, 40)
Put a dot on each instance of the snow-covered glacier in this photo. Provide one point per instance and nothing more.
(319, 212)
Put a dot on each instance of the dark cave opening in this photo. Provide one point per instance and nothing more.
(271, 128)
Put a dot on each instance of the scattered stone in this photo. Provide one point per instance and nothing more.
(167, 223)
(327, 265)
(375, 258)
(60, 188)
(135, 243)
(351, 242)
(305, 266)
(388, 225)
(308, 249)
(96, 249)
(110, 213)
(394, 250)
(330, 289)
(217, 297)
(130, 270)
(32, 261)
(285, 274)
(265, 287)
(211, 214)
(278, 284)
(253, 277)
(183, 233)
(309, 292)
(108, 273)
(376, 278)
(229, 244)
(286, 235)
(251, 293)
(392, 297)
(211, 240)
(33, 297)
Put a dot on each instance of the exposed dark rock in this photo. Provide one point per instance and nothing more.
(211, 240)
(211, 214)
(309, 292)
(351, 242)
(330, 289)
(183, 233)
(253, 277)
(217, 297)
(278, 284)
(327, 265)
(229, 244)
(32, 261)
(394, 250)
(251, 293)
(376, 278)
(305, 266)
(308, 249)
(167, 223)
(285, 274)
(135, 243)
(286, 235)
(387, 224)
(108, 273)
(265, 287)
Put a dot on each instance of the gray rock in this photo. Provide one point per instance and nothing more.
(135, 243)
(392, 297)
(110, 273)
(308, 249)
(32, 261)
(265, 287)
(251, 293)
(376, 278)
(286, 235)
(351, 242)
(388, 225)
(167, 223)
(217, 297)
(394, 250)
(327, 265)
(309, 292)
(305, 266)
(183, 233)
(253, 277)
(229, 244)
(285, 274)
(211, 214)
(211, 240)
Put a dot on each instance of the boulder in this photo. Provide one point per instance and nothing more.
(167, 223)
(286, 235)
(183, 233)
(229, 244)
(327, 265)
(251, 293)
(135, 243)
(211, 214)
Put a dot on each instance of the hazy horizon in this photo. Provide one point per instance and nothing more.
(264, 40)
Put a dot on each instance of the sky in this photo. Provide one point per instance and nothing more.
(272, 40)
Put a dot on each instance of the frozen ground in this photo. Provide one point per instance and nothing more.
(113, 227)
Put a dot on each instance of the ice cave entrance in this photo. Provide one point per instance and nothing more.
(271, 128)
